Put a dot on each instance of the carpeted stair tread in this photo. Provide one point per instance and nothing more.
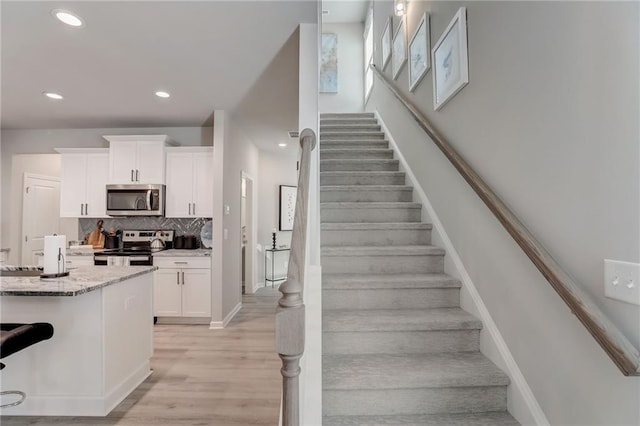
(396, 281)
(371, 205)
(492, 418)
(410, 371)
(350, 226)
(415, 250)
(359, 188)
(399, 320)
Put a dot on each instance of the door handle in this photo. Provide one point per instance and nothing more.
(182, 277)
(81, 207)
(178, 278)
(86, 209)
(189, 208)
(194, 209)
(131, 175)
(137, 175)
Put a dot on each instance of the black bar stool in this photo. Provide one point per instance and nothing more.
(16, 337)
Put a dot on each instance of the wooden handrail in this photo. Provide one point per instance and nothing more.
(610, 338)
(291, 310)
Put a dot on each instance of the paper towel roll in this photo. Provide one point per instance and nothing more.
(55, 253)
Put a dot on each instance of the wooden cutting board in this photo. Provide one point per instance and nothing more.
(96, 237)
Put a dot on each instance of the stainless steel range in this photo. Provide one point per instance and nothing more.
(136, 248)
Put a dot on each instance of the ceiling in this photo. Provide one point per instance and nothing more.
(344, 11)
(207, 54)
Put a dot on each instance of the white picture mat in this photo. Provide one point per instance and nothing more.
(419, 54)
(385, 42)
(399, 54)
(288, 196)
(450, 60)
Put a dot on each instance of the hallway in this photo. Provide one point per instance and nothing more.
(202, 377)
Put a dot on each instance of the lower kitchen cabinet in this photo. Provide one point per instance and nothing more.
(182, 287)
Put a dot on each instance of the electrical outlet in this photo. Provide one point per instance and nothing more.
(622, 281)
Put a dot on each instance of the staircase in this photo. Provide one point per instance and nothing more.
(397, 348)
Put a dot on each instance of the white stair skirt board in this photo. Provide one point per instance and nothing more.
(522, 404)
(217, 325)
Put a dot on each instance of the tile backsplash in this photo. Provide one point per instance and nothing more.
(181, 226)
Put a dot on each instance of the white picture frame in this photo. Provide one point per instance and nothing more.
(450, 60)
(385, 42)
(399, 50)
(420, 52)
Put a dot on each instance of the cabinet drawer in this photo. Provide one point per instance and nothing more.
(182, 262)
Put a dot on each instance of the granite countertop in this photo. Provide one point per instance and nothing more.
(183, 253)
(80, 280)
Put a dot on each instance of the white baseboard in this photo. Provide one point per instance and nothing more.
(217, 325)
(522, 404)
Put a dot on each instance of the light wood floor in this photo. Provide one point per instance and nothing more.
(202, 377)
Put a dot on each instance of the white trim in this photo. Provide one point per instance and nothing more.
(217, 325)
(252, 246)
(522, 404)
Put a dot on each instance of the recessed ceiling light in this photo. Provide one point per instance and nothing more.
(282, 145)
(162, 94)
(67, 17)
(53, 95)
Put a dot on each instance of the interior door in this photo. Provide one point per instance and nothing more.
(40, 214)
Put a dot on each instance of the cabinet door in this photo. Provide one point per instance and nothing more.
(196, 293)
(179, 184)
(203, 184)
(167, 290)
(122, 162)
(150, 165)
(97, 176)
(73, 184)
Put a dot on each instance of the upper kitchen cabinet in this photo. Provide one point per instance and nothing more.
(189, 182)
(137, 158)
(84, 178)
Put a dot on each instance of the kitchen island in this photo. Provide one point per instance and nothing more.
(102, 342)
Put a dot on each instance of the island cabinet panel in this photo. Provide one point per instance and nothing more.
(182, 288)
(189, 182)
(82, 189)
(101, 345)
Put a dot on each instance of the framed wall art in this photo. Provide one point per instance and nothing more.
(329, 64)
(419, 52)
(385, 42)
(450, 60)
(399, 53)
(287, 206)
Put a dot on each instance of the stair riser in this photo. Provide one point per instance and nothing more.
(405, 342)
(367, 165)
(350, 115)
(356, 155)
(383, 264)
(348, 121)
(398, 195)
(391, 298)
(414, 401)
(382, 237)
(329, 136)
(348, 127)
(355, 215)
(363, 179)
(354, 144)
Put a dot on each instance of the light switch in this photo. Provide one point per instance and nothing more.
(622, 281)
(227, 209)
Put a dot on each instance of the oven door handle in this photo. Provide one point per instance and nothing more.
(149, 191)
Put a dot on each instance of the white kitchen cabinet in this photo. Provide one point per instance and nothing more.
(137, 158)
(189, 182)
(182, 287)
(84, 175)
(76, 261)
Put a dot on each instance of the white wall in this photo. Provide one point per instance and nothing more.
(350, 94)
(550, 121)
(240, 154)
(274, 169)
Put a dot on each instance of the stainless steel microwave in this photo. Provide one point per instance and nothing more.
(135, 200)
